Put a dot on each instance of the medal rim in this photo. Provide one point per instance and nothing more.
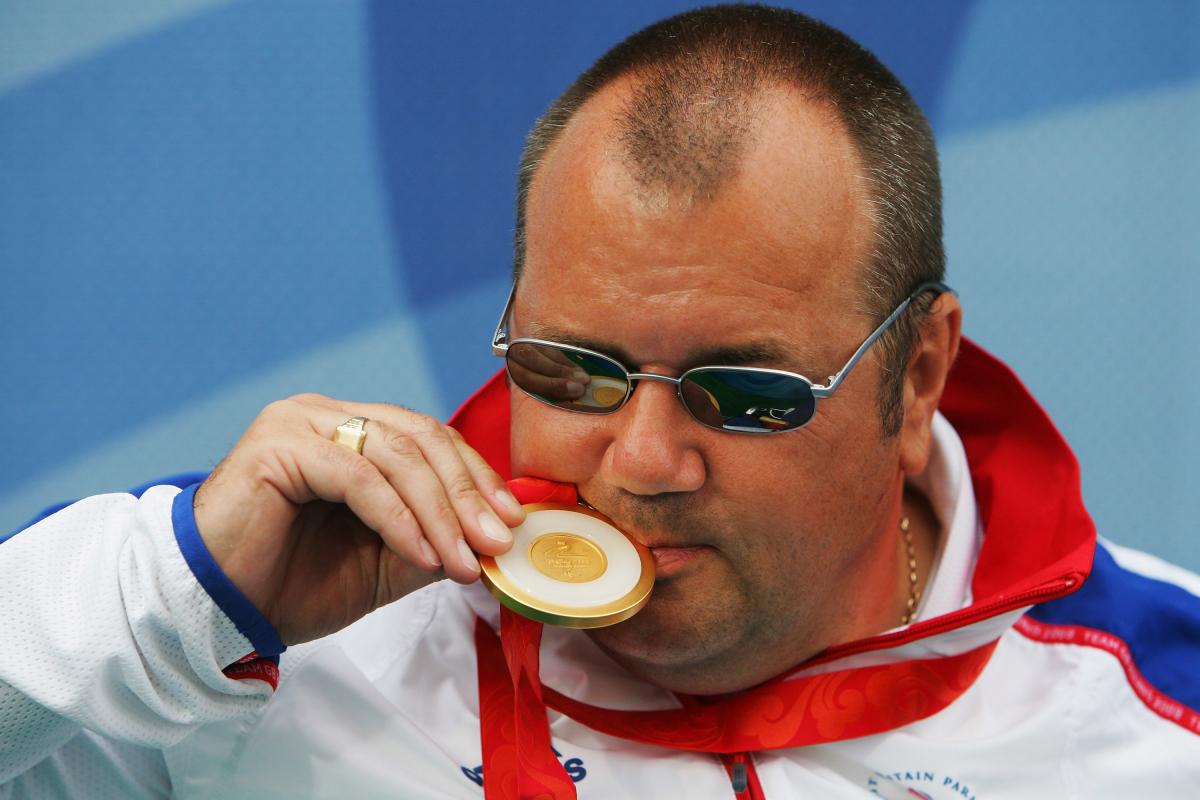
(619, 610)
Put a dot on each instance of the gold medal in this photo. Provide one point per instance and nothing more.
(570, 566)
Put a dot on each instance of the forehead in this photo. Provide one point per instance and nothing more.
(775, 252)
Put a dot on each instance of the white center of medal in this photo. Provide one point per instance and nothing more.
(624, 565)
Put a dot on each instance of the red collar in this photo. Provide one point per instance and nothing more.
(1038, 544)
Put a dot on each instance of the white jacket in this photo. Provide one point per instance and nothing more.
(116, 642)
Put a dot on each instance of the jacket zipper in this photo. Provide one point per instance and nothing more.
(739, 767)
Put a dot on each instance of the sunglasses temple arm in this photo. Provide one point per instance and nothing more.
(500, 337)
(836, 380)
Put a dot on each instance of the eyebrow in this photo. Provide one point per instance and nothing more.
(763, 352)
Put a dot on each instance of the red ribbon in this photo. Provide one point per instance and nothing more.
(518, 758)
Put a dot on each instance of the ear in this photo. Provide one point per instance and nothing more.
(925, 377)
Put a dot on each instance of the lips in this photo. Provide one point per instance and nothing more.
(669, 561)
(670, 556)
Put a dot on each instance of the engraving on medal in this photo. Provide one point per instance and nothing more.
(567, 557)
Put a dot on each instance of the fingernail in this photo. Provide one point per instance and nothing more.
(509, 502)
(574, 389)
(428, 553)
(493, 528)
(580, 376)
(468, 558)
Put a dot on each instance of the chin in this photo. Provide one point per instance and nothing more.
(671, 637)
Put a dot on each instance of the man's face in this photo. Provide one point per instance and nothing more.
(768, 548)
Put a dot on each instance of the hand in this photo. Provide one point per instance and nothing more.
(547, 371)
(317, 536)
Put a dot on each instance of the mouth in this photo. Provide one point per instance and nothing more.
(669, 558)
(670, 561)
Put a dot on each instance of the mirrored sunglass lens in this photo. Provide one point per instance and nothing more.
(567, 378)
(746, 401)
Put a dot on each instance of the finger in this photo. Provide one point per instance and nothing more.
(406, 466)
(552, 363)
(410, 479)
(339, 475)
(491, 485)
(484, 529)
(422, 463)
(398, 577)
(547, 386)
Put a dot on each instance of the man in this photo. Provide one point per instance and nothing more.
(856, 592)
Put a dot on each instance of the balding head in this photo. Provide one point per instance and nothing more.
(696, 82)
(687, 125)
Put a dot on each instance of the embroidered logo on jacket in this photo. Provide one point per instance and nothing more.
(923, 784)
(574, 767)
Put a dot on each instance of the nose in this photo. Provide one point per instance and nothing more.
(656, 445)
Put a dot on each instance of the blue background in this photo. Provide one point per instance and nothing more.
(206, 205)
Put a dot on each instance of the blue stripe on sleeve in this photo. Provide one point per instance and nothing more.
(1159, 621)
(248, 619)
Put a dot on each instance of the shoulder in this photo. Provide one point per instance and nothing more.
(1117, 662)
(1145, 614)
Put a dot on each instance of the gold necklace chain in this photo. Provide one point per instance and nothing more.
(914, 594)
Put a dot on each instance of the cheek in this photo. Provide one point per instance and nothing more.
(554, 444)
(826, 478)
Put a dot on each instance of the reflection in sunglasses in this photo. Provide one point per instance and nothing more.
(608, 395)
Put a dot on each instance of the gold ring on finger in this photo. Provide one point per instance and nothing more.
(352, 433)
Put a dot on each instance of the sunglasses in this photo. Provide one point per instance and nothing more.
(738, 399)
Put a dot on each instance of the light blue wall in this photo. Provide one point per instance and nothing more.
(206, 205)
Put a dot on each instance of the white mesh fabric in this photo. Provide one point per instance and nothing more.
(105, 628)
